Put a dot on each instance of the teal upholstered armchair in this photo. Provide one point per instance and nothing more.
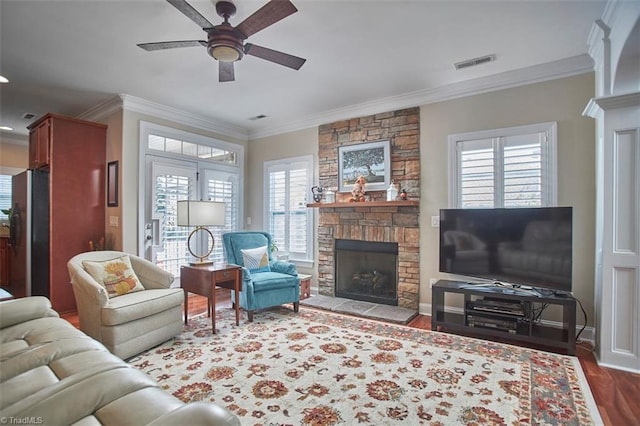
(265, 282)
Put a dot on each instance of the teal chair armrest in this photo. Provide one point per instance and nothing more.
(247, 281)
(283, 267)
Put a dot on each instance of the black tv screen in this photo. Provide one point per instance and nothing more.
(529, 247)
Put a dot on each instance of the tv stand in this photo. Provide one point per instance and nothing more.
(510, 323)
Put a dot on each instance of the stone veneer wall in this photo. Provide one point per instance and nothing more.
(357, 221)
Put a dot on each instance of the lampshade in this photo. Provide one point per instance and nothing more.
(201, 213)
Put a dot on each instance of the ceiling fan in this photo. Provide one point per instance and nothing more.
(226, 43)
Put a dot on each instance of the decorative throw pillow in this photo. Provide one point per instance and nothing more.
(256, 260)
(116, 275)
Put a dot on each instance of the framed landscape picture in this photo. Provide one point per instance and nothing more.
(371, 160)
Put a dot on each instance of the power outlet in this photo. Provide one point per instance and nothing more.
(435, 221)
(432, 281)
(113, 221)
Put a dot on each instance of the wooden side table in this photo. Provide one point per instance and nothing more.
(203, 280)
(305, 286)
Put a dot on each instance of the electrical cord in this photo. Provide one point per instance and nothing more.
(583, 313)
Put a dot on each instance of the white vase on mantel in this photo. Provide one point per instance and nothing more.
(392, 192)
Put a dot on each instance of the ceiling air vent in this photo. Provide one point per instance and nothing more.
(474, 62)
(257, 117)
(28, 116)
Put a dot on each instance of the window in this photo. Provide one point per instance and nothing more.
(513, 167)
(179, 165)
(5, 195)
(287, 218)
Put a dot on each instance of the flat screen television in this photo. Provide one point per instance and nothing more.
(519, 247)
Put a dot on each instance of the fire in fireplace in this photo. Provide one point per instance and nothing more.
(367, 271)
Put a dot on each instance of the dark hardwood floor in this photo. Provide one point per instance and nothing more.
(616, 392)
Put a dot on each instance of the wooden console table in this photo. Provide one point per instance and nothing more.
(203, 280)
(527, 329)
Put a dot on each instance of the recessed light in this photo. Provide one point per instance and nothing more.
(8, 128)
(3, 79)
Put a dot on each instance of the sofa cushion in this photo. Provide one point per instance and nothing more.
(256, 259)
(264, 281)
(133, 306)
(116, 275)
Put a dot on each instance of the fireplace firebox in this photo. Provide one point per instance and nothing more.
(367, 271)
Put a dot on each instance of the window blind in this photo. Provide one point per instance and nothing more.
(503, 171)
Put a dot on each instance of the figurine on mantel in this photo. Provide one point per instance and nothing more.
(358, 191)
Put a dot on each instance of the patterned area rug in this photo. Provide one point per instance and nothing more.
(319, 368)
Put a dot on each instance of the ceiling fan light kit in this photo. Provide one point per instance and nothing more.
(225, 43)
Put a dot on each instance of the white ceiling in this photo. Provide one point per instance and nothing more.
(69, 56)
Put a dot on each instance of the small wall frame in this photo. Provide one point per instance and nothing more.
(112, 184)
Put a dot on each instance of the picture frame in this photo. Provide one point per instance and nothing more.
(371, 160)
(112, 184)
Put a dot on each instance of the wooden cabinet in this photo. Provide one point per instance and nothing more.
(4, 261)
(68, 200)
(39, 144)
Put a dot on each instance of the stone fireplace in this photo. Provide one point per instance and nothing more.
(367, 271)
(378, 220)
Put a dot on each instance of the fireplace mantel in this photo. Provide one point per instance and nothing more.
(403, 203)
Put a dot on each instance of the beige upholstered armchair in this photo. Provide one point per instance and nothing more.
(125, 301)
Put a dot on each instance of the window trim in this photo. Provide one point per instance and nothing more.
(549, 156)
(283, 163)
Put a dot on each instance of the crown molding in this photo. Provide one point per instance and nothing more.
(606, 103)
(143, 106)
(548, 71)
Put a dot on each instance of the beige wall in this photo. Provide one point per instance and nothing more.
(560, 100)
(14, 155)
(114, 153)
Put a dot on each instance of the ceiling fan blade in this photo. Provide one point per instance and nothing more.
(267, 15)
(162, 45)
(225, 71)
(274, 56)
(191, 13)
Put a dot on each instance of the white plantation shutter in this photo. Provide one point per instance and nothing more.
(223, 187)
(513, 167)
(5, 194)
(171, 186)
(523, 170)
(477, 173)
(288, 218)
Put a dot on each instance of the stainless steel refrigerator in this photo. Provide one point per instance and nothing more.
(29, 234)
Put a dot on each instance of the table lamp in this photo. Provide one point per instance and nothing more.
(200, 214)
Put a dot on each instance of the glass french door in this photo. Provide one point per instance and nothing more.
(170, 181)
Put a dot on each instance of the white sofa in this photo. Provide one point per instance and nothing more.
(53, 374)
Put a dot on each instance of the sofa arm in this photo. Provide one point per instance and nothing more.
(283, 267)
(151, 276)
(197, 413)
(28, 308)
